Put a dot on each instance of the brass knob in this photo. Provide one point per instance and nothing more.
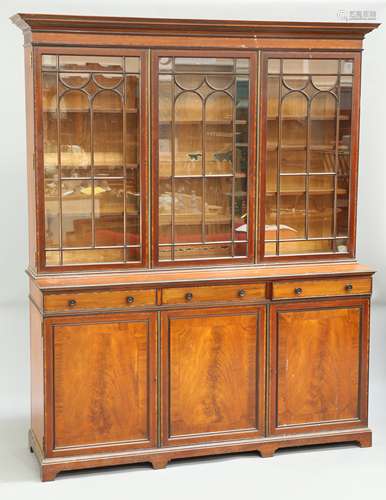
(298, 291)
(189, 296)
(348, 287)
(72, 302)
(242, 293)
(130, 299)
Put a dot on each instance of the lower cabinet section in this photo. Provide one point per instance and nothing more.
(318, 366)
(101, 383)
(213, 375)
(151, 386)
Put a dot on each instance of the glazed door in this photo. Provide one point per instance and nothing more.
(203, 156)
(309, 139)
(318, 366)
(101, 374)
(213, 374)
(93, 158)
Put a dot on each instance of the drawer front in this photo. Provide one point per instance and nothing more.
(229, 293)
(118, 299)
(321, 288)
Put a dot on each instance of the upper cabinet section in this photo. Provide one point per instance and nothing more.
(203, 161)
(93, 169)
(308, 164)
(183, 143)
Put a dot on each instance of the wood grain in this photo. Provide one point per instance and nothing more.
(229, 293)
(114, 299)
(318, 365)
(104, 379)
(321, 288)
(213, 377)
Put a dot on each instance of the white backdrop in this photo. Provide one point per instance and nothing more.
(349, 472)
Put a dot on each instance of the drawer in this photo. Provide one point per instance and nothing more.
(115, 299)
(218, 293)
(321, 288)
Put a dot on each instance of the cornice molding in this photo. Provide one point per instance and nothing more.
(189, 27)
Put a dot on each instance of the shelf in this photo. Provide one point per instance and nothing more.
(199, 176)
(193, 219)
(311, 118)
(299, 147)
(298, 192)
(207, 122)
(81, 110)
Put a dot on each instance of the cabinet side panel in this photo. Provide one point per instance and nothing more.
(37, 375)
(29, 104)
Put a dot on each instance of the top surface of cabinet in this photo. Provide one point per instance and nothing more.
(238, 152)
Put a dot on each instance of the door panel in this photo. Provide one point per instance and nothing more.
(319, 365)
(92, 158)
(213, 374)
(203, 150)
(103, 372)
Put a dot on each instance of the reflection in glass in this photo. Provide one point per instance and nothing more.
(77, 213)
(108, 133)
(75, 147)
(109, 212)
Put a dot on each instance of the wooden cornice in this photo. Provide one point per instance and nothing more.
(189, 27)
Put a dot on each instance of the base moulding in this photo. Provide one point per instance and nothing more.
(159, 457)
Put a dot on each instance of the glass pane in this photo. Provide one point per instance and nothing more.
(188, 212)
(218, 209)
(292, 215)
(91, 158)
(49, 62)
(77, 213)
(315, 104)
(210, 251)
(188, 134)
(109, 212)
(93, 256)
(52, 213)
(165, 205)
(293, 161)
(294, 114)
(53, 258)
(90, 63)
(203, 157)
(321, 204)
(108, 134)
(75, 134)
(203, 65)
(323, 120)
(132, 64)
(50, 125)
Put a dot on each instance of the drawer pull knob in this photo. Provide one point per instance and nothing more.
(298, 291)
(242, 293)
(72, 302)
(189, 296)
(130, 299)
(348, 287)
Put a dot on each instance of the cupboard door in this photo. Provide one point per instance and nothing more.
(204, 149)
(318, 366)
(101, 374)
(93, 157)
(213, 374)
(310, 115)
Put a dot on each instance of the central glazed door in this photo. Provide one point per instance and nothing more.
(204, 123)
(213, 374)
